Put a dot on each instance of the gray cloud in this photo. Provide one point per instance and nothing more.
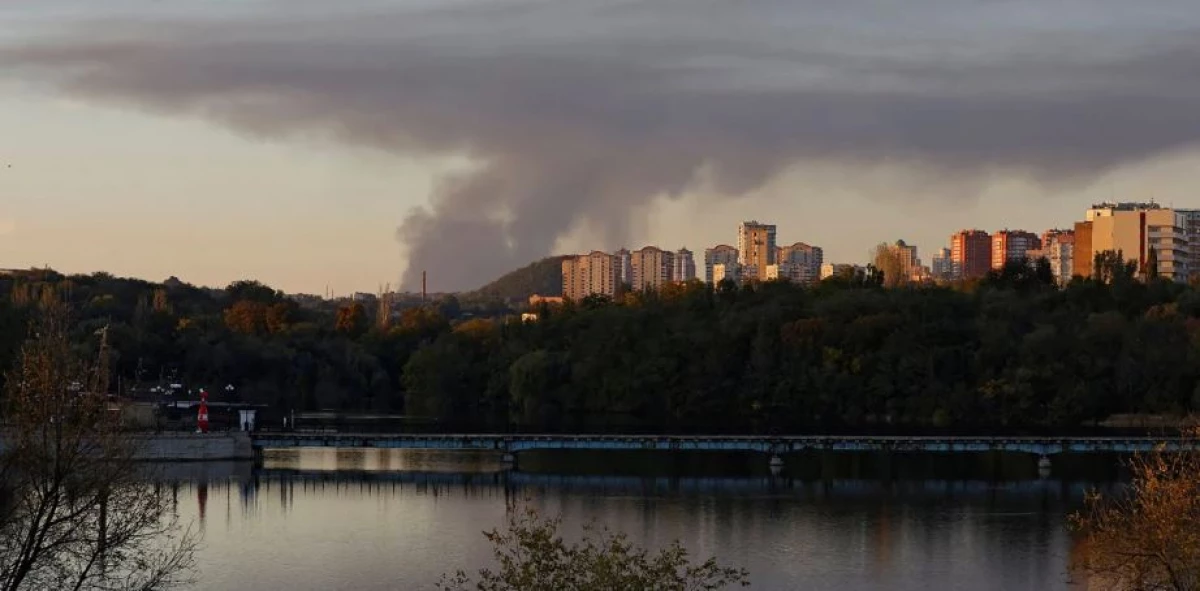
(580, 111)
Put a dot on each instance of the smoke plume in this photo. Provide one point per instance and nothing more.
(578, 112)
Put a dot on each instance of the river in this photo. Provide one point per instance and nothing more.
(385, 520)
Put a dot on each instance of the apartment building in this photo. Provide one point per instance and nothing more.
(800, 262)
(652, 268)
(756, 247)
(942, 266)
(593, 273)
(1009, 246)
(721, 254)
(683, 266)
(970, 254)
(1135, 229)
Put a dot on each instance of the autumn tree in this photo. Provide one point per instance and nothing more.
(352, 319)
(76, 511)
(532, 556)
(247, 317)
(886, 260)
(1146, 538)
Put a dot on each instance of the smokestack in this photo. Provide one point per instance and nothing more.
(423, 287)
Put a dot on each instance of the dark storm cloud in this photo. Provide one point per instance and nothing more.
(578, 112)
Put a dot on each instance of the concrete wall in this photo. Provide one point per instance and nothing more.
(187, 447)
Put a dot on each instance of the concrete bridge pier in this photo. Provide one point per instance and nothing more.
(776, 459)
(1044, 466)
(509, 460)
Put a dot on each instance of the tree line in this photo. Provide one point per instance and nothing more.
(1010, 351)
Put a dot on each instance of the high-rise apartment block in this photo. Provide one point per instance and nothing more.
(756, 248)
(971, 253)
(684, 266)
(910, 263)
(722, 254)
(1010, 246)
(652, 268)
(1082, 254)
(624, 267)
(942, 265)
(1138, 231)
(1058, 248)
(800, 262)
(1191, 219)
(594, 273)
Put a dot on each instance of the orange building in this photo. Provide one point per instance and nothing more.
(1012, 245)
(970, 253)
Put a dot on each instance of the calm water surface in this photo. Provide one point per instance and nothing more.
(376, 519)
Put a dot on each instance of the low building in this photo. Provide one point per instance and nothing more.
(837, 269)
(536, 300)
(731, 272)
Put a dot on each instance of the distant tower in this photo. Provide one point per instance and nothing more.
(756, 247)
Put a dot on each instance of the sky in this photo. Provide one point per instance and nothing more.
(346, 145)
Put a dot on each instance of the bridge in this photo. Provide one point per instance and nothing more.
(776, 446)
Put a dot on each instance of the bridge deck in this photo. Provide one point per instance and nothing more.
(765, 444)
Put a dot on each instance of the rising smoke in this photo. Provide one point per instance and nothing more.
(578, 112)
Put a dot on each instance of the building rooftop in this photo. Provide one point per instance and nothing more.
(1126, 205)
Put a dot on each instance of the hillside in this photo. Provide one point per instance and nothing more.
(543, 277)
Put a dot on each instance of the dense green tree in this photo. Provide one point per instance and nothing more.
(1012, 350)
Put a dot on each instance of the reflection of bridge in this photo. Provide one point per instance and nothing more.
(512, 444)
(673, 486)
(1020, 498)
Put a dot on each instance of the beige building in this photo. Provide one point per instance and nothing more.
(910, 263)
(1135, 232)
(831, 269)
(790, 272)
(731, 271)
(756, 248)
(651, 268)
(594, 273)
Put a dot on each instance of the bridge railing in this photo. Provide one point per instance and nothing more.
(774, 445)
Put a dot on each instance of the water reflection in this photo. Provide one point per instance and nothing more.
(375, 519)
